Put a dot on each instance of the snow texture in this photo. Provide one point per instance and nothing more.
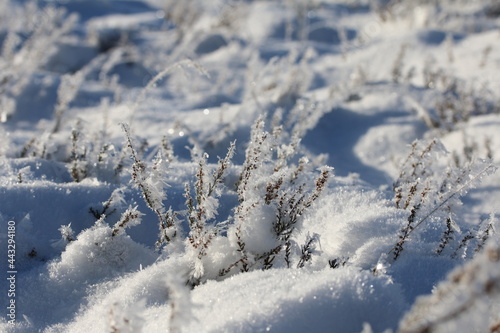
(249, 166)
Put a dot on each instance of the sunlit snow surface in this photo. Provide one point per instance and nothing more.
(356, 81)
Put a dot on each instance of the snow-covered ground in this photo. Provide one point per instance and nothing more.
(249, 166)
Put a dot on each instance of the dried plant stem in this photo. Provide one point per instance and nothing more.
(407, 231)
(166, 218)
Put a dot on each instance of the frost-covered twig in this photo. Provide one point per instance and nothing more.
(307, 250)
(447, 235)
(408, 186)
(131, 217)
(488, 169)
(202, 207)
(463, 244)
(267, 184)
(337, 262)
(253, 157)
(486, 233)
(67, 236)
(109, 206)
(78, 157)
(151, 184)
(407, 231)
(290, 208)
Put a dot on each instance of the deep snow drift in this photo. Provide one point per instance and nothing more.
(249, 166)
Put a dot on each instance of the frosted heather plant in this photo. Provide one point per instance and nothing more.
(131, 217)
(429, 188)
(115, 201)
(67, 236)
(151, 183)
(101, 251)
(202, 209)
(78, 158)
(273, 195)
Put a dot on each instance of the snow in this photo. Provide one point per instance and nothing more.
(274, 300)
(249, 166)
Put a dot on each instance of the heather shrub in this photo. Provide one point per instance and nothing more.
(170, 189)
(429, 188)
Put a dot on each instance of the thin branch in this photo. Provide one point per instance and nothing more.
(469, 182)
